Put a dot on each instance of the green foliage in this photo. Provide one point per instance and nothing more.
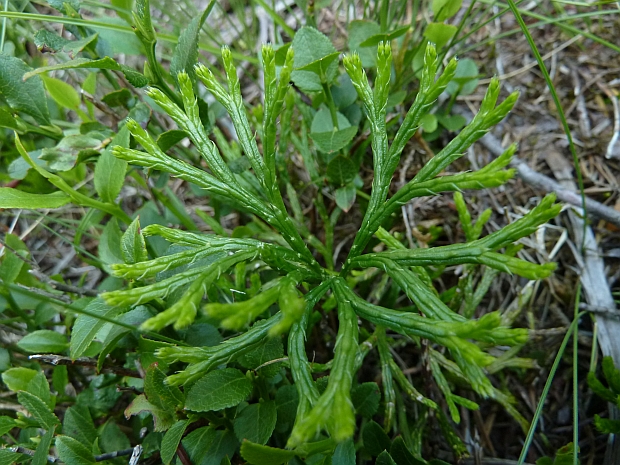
(206, 334)
(611, 394)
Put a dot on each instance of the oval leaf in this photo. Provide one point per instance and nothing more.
(218, 390)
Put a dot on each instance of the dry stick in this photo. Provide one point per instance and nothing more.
(595, 286)
(542, 182)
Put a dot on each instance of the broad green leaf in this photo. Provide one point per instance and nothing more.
(17, 379)
(86, 327)
(343, 92)
(44, 341)
(110, 243)
(110, 171)
(327, 138)
(117, 98)
(311, 45)
(38, 409)
(401, 454)
(186, 52)
(62, 93)
(340, 171)
(79, 425)
(385, 459)
(320, 66)
(41, 453)
(465, 78)
(440, 33)
(359, 31)
(14, 198)
(198, 442)
(47, 41)
(170, 138)
(344, 453)
(126, 5)
(39, 387)
(375, 439)
(111, 438)
(452, 122)
(8, 120)
(444, 9)
(70, 150)
(26, 96)
(218, 390)
(135, 78)
(159, 393)
(345, 196)
(256, 422)
(257, 454)
(162, 418)
(287, 400)
(12, 264)
(612, 374)
(270, 349)
(72, 452)
(605, 425)
(365, 398)
(171, 440)
(133, 246)
(384, 36)
(6, 425)
(428, 122)
(8, 457)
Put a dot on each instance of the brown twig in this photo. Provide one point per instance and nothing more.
(82, 361)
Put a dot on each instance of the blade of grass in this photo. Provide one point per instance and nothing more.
(541, 403)
(558, 105)
(118, 28)
(576, 379)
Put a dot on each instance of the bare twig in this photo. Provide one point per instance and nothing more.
(547, 184)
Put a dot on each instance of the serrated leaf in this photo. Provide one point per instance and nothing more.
(171, 440)
(162, 418)
(39, 387)
(224, 444)
(14, 198)
(133, 246)
(270, 349)
(110, 171)
(17, 379)
(86, 327)
(62, 93)
(257, 454)
(256, 422)
(365, 398)
(311, 45)
(344, 453)
(6, 425)
(79, 425)
(111, 438)
(198, 442)
(186, 52)
(287, 400)
(47, 41)
(160, 393)
(218, 390)
(375, 439)
(135, 78)
(444, 9)
(44, 341)
(41, 453)
(440, 33)
(72, 452)
(38, 409)
(8, 457)
(607, 426)
(345, 196)
(26, 96)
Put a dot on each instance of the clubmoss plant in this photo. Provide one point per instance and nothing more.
(203, 259)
